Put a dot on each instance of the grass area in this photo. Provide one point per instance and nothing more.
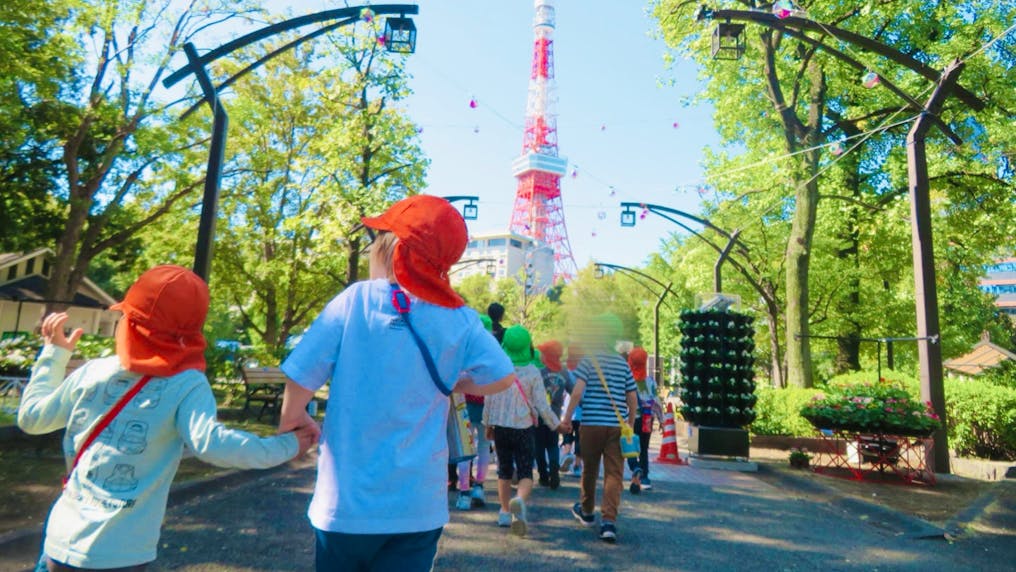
(31, 471)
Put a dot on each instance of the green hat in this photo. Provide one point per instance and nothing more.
(485, 320)
(518, 344)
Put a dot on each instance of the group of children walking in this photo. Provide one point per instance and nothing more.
(129, 417)
(550, 398)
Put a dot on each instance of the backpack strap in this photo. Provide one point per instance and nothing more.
(400, 300)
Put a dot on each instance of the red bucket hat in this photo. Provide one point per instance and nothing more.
(637, 359)
(164, 312)
(550, 353)
(432, 237)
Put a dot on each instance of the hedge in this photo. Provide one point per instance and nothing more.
(980, 413)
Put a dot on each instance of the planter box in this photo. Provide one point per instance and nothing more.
(718, 441)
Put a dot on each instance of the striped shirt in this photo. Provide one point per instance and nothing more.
(596, 405)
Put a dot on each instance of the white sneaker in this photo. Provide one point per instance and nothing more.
(517, 509)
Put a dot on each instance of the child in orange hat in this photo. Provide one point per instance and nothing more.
(649, 409)
(128, 418)
(392, 348)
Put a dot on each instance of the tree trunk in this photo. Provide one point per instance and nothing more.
(798, 258)
(61, 286)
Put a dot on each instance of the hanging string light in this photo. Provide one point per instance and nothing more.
(367, 15)
(783, 9)
(472, 103)
(870, 79)
(836, 148)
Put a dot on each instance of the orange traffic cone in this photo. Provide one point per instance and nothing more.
(668, 449)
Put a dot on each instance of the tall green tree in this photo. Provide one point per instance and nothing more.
(376, 157)
(120, 161)
(813, 100)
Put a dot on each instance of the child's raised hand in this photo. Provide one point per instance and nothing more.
(53, 331)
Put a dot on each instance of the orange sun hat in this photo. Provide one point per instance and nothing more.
(550, 353)
(432, 237)
(637, 359)
(164, 312)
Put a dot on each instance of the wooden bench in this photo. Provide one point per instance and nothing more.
(263, 385)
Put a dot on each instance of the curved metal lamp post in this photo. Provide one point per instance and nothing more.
(926, 297)
(399, 36)
(656, 311)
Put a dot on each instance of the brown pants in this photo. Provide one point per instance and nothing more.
(595, 442)
(55, 566)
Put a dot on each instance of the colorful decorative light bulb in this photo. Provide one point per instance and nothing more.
(836, 148)
(783, 9)
(870, 80)
(472, 103)
(367, 15)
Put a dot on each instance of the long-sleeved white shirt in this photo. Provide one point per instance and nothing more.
(509, 409)
(110, 513)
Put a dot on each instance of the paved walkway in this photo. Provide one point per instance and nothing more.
(693, 519)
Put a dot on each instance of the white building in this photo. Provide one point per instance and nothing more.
(23, 280)
(505, 254)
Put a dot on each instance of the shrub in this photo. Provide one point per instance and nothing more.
(981, 417)
(779, 411)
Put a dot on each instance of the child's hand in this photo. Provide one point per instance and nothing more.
(488, 433)
(307, 436)
(53, 332)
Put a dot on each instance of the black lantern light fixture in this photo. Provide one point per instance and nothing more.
(728, 41)
(470, 211)
(400, 35)
(627, 218)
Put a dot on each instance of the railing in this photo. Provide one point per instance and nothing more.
(864, 455)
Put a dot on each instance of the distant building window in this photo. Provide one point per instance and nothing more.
(45, 268)
(12, 272)
(516, 243)
(29, 266)
(496, 242)
(471, 244)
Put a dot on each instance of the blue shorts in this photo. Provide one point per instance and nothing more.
(410, 552)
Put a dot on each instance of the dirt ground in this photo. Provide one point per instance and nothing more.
(936, 503)
(31, 472)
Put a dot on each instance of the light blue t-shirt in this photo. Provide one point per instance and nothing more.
(110, 513)
(384, 453)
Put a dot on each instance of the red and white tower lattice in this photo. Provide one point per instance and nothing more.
(539, 212)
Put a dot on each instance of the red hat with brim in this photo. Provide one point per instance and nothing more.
(432, 237)
(164, 313)
(550, 353)
(637, 359)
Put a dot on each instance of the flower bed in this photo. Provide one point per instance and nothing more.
(872, 408)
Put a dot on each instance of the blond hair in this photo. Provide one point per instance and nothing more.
(382, 251)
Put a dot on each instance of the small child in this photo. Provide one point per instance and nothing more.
(510, 420)
(556, 382)
(111, 510)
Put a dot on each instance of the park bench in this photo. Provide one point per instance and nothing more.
(263, 385)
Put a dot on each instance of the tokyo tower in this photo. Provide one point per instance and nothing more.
(539, 212)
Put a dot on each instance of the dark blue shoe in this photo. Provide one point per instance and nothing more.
(585, 519)
(608, 533)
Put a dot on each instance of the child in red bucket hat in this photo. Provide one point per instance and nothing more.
(128, 418)
(393, 348)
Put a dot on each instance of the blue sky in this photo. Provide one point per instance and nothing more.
(617, 109)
